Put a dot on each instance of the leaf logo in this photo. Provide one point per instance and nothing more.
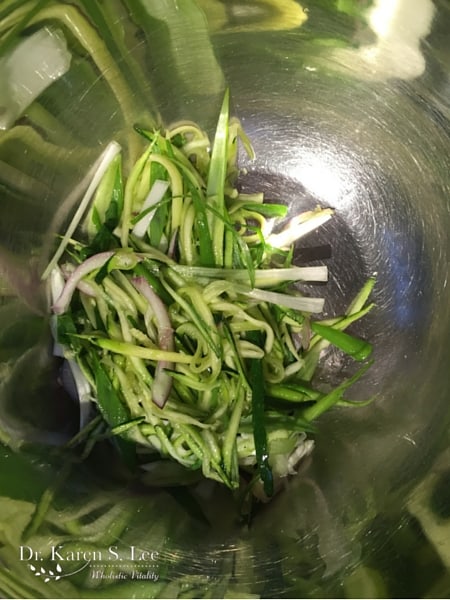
(50, 574)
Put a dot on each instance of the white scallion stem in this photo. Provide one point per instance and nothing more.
(263, 277)
(314, 305)
(111, 151)
(298, 227)
(155, 195)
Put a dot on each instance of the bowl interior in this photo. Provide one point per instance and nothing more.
(329, 128)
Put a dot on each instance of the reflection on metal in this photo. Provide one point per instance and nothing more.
(253, 15)
(430, 504)
(32, 66)
(176, 15)
(400, 26)
(321, 176)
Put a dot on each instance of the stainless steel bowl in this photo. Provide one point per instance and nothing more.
(347, 104)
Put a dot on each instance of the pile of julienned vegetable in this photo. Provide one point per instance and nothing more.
(180, 314)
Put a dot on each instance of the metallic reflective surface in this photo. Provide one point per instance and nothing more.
(348, 106)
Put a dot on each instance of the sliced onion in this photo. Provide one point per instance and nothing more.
(83, 286)
(172, 244)
(162, 383)
(57, 283)
(91, 264)
(155, 195)
(86, 289)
